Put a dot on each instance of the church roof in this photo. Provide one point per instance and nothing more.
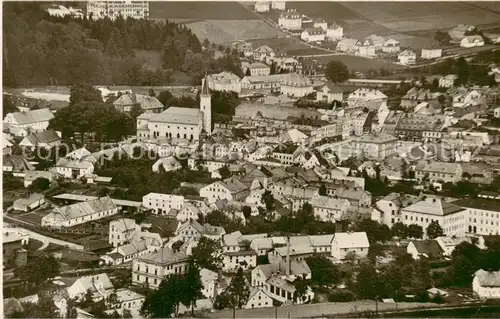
(178, 115)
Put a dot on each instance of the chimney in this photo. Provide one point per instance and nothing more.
(288, 264)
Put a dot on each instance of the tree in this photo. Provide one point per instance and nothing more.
(40, 184)
(84, 92)
(301, 288)
(127, 314)
(415, 231)
(273, 68)
(367, 282)
(136, 110)
(337, 71)
(239, 290)
(39, 270)
(442, 37)
(399, 230)
(225, 172)
(152, 92)
(248, 73)
(247, 211)
(434, 230)
(8, 105)
(165, 301)
(268, 200)
(322, 190)
(207, 254)
(193, 286)
(324, 272)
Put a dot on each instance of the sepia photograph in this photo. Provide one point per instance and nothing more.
(252, 159)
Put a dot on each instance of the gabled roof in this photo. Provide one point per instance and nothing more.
(181, 115)
(429, 248)
(164, 256)
(32, 116)
(351, 240)
(145, 101)
(84, 208)
(18, 163)
(43, 137)
(488, 278)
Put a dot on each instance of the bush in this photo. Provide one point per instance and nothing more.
(341, 296)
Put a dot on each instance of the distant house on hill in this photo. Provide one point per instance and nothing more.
(149, 104)
(460, 31)
(407, 57)
(313, 35)
(472, 41)
(334, 32)
(431, 53)
(262, 6)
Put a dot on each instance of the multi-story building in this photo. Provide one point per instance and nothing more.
(316, 34)
(483, 215)
(439, 172)
(452, 218)
(388, 209)
(261, 6)
(231, 189)
(329, 209)
(290, 20)
(416, 95)
(256, 69)
(121, 231)
(149, 270)
(447, 81)
(407, 57)
(329, 93)
(162, 203)
(366, 95)
(35, 120)
(334, 32)
(430, 54)
(296, 85)
(263, 53)
(224, 81)
(115, 9)
(80, 213)
(375, 146)
(391, 46)
(278, 5)
(354, 243)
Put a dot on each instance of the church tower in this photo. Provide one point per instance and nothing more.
(206, 106)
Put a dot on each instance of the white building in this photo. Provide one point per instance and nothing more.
(347, 45)
(278, 5)
(430, 54)
(99, 285)
(316, 34)
(149, 270)
(245, 259)
(35, 120)
(329, 209)
(424, 248)
(45, 139)
(178, 123)
(114, 9)
(452, 218)
(486, 284)
(263, 53)
(472, 41)
(345, 243)
(79, 163)
(31, 176)
(375, 146)
(296, 85)
(366, 51)
(407, 57)
(224, 81)
(256, 69)
(387, 210)
(80, 213)
(447, 81)
(334, 32)
(262, 6)
(290, 20)
(162, 203)
(320, 23)
(231, 189)
(483, 215)
(121, 231)
(62, 11)
(439, 171)
(169, 164)
(258, 298)
(391, 46)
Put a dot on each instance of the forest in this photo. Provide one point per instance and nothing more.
(44, 50)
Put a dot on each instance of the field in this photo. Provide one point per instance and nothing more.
(226, 10)
(291, 46)
(360, 64)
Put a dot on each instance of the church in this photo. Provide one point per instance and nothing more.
(178, 123)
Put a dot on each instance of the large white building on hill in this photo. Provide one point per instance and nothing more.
(178, 123)
(114, 9)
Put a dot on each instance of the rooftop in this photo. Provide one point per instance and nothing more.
(479, 203)
(434, 206)
(164, 256)
(32, 116)
(351, 240)
(178, 115)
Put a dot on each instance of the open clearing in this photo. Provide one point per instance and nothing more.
(290, 46)
(356, 63)
(199, 10)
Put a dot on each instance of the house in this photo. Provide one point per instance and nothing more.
(316, 34)
(452, 218)
(448, 244)
(463, 97)
(169, 164)
(149, 104)
(213, 283)
(31, 176)
(430, 54)
(161, 204)
(224, 81)
(486, 284)
(150, 269)
(334, 32)
(261, 6)
(45, 139)
(288, 64)
(415, 96)
(80, 213)
(460, 31)
(407, 57)
(391, 46)
(16, 164)
(329, 209)
(6, 145)
(447, 81)
(29, 203)
(424, 248)
(439, 171)
(388, 209)
(255, 69)
(35, 120)
(99, 285)
(366, 95)
(278, 5)
(258, 298)
(290, 20)
(263, 53)
(231, 189)
(136, 248)
(472, 41)
(192, 230)
(296, 85)
(121, 231)
(483, 215)
(320, 23)
(366, 51)
(128, 299)
(345, 243)
(13, 240)
(375, 146)
(245, 259)
(77, 164)
(347, 45)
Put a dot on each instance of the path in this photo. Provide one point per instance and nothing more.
(49, 240)
(318, 309)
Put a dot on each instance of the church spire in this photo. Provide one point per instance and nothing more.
(204, 85)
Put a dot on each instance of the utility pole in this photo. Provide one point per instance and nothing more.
(275, 312)
(234, 312)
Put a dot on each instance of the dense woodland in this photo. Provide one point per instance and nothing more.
(44, 50)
